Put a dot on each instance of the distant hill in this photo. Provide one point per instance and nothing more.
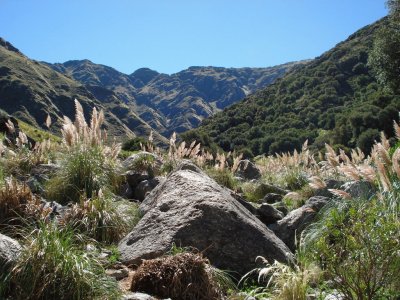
(176, 102)
(334, 98)
(31, 90)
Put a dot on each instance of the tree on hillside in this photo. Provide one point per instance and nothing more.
(385, 56)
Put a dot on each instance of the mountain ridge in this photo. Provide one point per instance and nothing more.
(179, 101)
(333, 99)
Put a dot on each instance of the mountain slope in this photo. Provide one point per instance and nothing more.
(334, 99)
(30, 90)
(176, 102)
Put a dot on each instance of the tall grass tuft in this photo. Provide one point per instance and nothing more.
(100, 219)
(54, 265)
(88, 164)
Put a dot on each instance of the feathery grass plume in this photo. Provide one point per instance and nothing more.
(357, 156)
(340, 193)
(350, 171)
(55, 265)
(286, 282)
(383, 153)
(383, 176)
(89, 164)
(396, 162)
(396, 129)
(48, 121)
(10, 126)
(236, 161)
(368, 173)
(220, 161)
(317, 183)
(331, 156)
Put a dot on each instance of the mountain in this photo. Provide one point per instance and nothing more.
(334, 98)
(30, 91)
(176, 102)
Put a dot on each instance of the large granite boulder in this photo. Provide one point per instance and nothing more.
(9, 252)
(191, 209)
(292, 225)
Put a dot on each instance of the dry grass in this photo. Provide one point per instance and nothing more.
(17, 201)
(180, 277)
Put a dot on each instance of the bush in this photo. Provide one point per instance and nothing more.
(134, 144)
(180, 277)
(357, 244)
(54, 265)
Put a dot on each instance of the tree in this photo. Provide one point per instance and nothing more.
(385, 55)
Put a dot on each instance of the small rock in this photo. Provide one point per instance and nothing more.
(10, 249)
(133, 178)
(272, 198)
(281, 206)
(296, 221)
(139, 296)
(269, 214)
(118, 274)
(248, 170)
(146, 186)
(359, 189)
(186, 164)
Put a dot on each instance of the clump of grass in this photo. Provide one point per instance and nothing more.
(88, 164)
(284, 282)
(99, 218)
(223, 177)
(17, 201)
(54, 265)
(181, 277)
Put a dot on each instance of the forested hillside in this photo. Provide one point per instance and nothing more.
(333, 99)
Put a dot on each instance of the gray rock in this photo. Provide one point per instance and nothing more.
(330, 184)
(264, 188)
(281, 206)
(130, 162)
(43, 172)
(138, 296)
(297, 220)
(118, 274)
(133, 178)
(272, 198)
(146, 186)
(126, 191)
(186, 164)
(269, 214)
(191, 209)
(248, 170)
(10, 249)
(359, 189)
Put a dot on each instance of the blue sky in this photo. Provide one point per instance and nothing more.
(171, 35)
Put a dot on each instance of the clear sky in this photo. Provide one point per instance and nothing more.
(171, 35)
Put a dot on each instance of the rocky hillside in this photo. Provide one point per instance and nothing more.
(334, 99)
(30, 91)
(176, 102)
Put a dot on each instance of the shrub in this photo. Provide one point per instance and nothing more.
(134, 144)
(54, 265)
(357, 244)
(182, 276)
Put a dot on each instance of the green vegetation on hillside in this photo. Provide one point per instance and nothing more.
(334, 99)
